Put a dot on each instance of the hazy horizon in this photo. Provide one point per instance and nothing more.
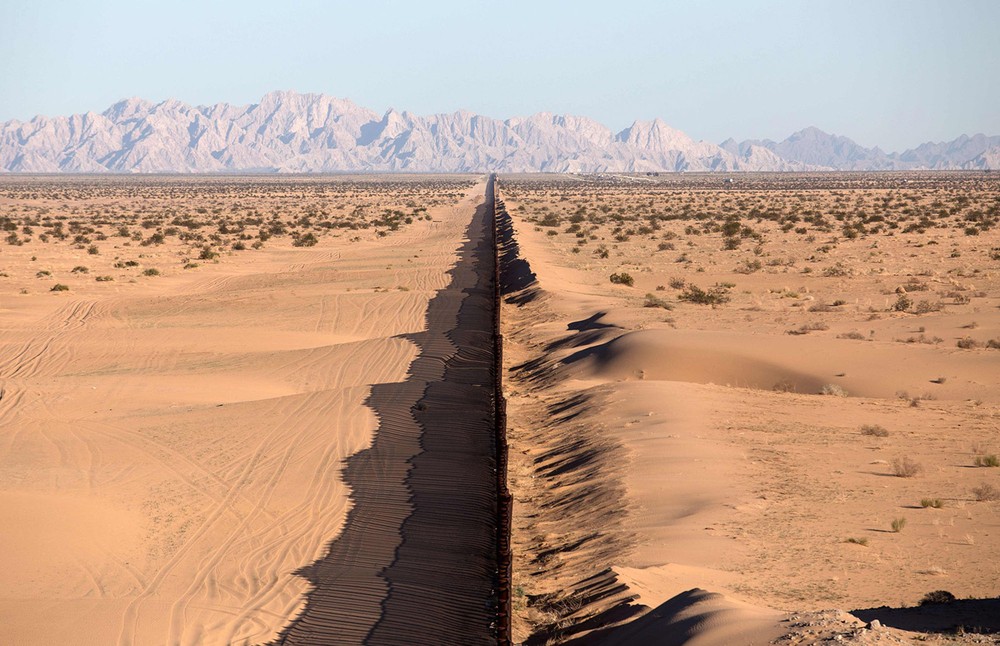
(894, 75)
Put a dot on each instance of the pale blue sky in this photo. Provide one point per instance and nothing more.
(892, 74)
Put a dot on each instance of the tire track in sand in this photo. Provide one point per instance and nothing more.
(416, 561)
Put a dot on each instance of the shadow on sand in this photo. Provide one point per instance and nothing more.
(416, 561)
(961, 615)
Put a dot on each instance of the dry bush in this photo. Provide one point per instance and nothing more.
(905, 467)
(990, 460)
(936, 597)
(986, 492)
(622, 279)
(874, 430)
(833, 390)
(652, 300)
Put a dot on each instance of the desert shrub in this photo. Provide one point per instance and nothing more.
(857, 541)
(784, 386)
(905, 467)
(987, 461)
(938, 596)
(748, 267)
(622, 279)
(934, 503)
(807, 328)
(898, 524)
(853, 335)
(967, 343)
(59, 287)
(104, 279)
(926, 307)
(833, 390)
(307, 240)
(712, 296)
(986, 492)
(93, 250)
(207, 254)
(902, 304)
(677, 283)
(993, 344)
(837, 270)
(652, 300)
(874, 430)
(152, 271)
(80, 269)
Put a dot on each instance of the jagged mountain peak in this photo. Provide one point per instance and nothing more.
(307, 132)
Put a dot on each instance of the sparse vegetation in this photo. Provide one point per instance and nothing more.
(716, 295)
(874, 430)
(898, 524)
(622, 279)
(905, 467)
(990, 460)
(937, 597)
(652, 300)
(833, 390)
(986, 492)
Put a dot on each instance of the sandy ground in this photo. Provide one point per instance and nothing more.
(660, 445)
(172, 446)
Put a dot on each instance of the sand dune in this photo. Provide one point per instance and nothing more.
(658, 453)
(171, 457)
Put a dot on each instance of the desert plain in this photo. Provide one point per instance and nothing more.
(738, 406)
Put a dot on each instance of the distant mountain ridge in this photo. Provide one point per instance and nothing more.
(294, 132)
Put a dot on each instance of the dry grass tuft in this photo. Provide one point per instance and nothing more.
(905, 467)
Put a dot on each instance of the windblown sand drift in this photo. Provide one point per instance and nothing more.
(172, 468)
(667, 355)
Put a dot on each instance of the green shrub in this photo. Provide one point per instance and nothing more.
(622, 279)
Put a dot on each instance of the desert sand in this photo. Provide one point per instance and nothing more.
(175, 442)
(259, 410)
(679, 476)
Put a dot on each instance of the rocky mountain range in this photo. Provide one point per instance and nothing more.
(289, 132)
